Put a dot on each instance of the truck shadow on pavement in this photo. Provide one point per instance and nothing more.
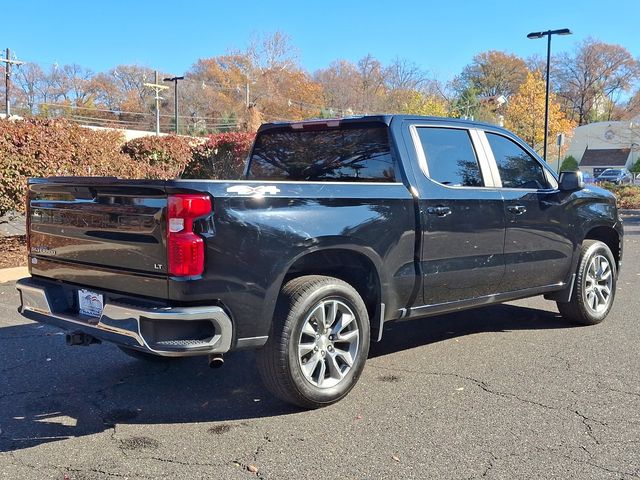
(51, 392)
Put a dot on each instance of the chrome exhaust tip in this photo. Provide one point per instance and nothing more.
(216, 360)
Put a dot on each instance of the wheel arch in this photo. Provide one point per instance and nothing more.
(354, 267)
(609, 236)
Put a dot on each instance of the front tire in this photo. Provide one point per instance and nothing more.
(595, 285)
(318, 344)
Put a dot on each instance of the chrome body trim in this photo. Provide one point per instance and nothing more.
(120, 324)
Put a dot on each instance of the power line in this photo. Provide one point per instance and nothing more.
(63, 106)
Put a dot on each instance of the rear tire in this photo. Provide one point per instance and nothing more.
(595, 285)
(318, 344)
(147, 357)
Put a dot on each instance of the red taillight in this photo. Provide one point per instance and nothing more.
(185, 249)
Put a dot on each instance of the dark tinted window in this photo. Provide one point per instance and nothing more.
(517, 168)
(451, 159)
(349, 153)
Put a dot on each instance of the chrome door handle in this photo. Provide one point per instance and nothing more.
(440, 211)
(517, 209)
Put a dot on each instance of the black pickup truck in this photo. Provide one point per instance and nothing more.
(338, 227)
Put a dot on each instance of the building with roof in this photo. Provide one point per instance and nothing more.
(601, 145)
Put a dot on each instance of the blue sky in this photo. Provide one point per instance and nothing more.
(441, 37)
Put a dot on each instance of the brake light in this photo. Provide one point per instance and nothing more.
(185, 249)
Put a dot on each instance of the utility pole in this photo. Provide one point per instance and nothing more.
(175, 96)
(157, 88)
(7, 80)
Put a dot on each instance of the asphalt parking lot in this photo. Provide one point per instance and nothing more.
(508, 391)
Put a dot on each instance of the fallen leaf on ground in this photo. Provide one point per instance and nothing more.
(252, 468)
(358, 417)
(394, 458)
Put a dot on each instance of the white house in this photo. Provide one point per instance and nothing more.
(602, 145)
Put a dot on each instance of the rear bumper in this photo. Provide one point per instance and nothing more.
(156, 329)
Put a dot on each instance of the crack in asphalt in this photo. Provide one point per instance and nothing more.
(589, 428)
(551, 450)
(492, 462)
(479, 383)
(635, 394)
(266, 439)
(486, 388)
(63, 468)
(601, 467)
(179, 462)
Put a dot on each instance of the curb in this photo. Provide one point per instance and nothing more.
(13, 274)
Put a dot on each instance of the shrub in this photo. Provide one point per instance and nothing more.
(164, 157)
(222, 156)
(569, 164)
(628, 196)
(41, 148)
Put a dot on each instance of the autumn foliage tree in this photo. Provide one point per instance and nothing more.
(494, 73)
(525, 112)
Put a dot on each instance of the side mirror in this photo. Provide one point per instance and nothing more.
(571, 181)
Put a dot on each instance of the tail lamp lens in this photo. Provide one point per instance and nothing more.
(185, 249)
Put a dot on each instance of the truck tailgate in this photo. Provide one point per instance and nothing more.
(81, 226)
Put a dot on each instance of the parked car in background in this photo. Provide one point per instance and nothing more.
(617, 176)
(587, 177)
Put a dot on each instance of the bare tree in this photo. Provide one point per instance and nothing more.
(30, 79)
(271, 52)
(371, 83)
(403, 74)
(71, 83)
(591, 78)
(340, 85)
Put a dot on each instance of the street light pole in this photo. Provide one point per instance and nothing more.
(548, 33)
(175, 97)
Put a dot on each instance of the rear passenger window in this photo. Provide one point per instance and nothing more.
(451, 159)
(517, 168)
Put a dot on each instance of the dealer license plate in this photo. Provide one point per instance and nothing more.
(90, 303)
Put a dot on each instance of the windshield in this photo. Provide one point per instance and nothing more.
(356, 153)
(611, 172)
